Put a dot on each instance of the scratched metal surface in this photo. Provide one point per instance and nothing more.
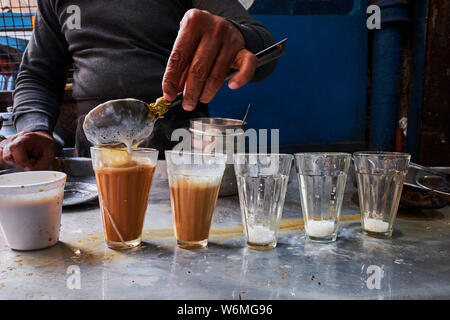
(415, 263)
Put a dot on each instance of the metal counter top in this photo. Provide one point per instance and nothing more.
(413, 264)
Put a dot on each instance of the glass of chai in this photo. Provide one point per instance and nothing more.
(194, 180)
(124, 181)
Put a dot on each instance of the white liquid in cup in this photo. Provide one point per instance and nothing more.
(30, 215)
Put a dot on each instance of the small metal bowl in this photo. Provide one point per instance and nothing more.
(221, 124)
(214, 127)
(75, 166)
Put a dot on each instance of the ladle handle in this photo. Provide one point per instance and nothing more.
(265, 56)
(428, 170)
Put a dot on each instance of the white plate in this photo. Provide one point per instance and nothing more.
(79, 192)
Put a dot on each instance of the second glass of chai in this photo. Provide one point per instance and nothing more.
(262, 183)
(194, 181)
(124, 181)
(380, 177)
(322, 178)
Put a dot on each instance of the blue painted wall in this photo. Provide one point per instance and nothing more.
(317, 94)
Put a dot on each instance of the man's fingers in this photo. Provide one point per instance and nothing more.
(6, 160)
(44, 160)
(217, 76)
(27, 150)
(202, 63)
(246, 63)
(183, 79)
(7, 157)
(180, 58)
(16, 155)
(2, 163)
(207, 46)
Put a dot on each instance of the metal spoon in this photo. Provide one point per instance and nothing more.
(246, 113)
(130, 121)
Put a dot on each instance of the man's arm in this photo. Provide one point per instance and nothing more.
(38, 94)
(256, 36)
(43, 73)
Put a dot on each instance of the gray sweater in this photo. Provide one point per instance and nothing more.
(120, 50)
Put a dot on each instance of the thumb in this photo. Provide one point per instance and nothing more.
(246, 63)
(44, 159)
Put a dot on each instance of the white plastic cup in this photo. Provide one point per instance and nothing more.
(30, 208)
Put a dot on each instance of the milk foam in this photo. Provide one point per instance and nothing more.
(128, 134)
(200, 178)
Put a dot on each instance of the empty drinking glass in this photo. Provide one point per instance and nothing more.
(380, 177)
(262, 182)
(322, 178)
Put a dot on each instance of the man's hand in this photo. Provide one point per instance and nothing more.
(207, 46)
(27, 150)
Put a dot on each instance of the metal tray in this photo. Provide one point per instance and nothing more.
(79, 192)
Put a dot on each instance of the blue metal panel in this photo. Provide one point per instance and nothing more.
(388, 49)
(317, 94)
(416, 92)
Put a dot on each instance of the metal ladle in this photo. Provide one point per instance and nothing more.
(438, 181)
(130, 121)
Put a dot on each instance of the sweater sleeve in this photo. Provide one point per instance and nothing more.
(42, 75)
(256, 36)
